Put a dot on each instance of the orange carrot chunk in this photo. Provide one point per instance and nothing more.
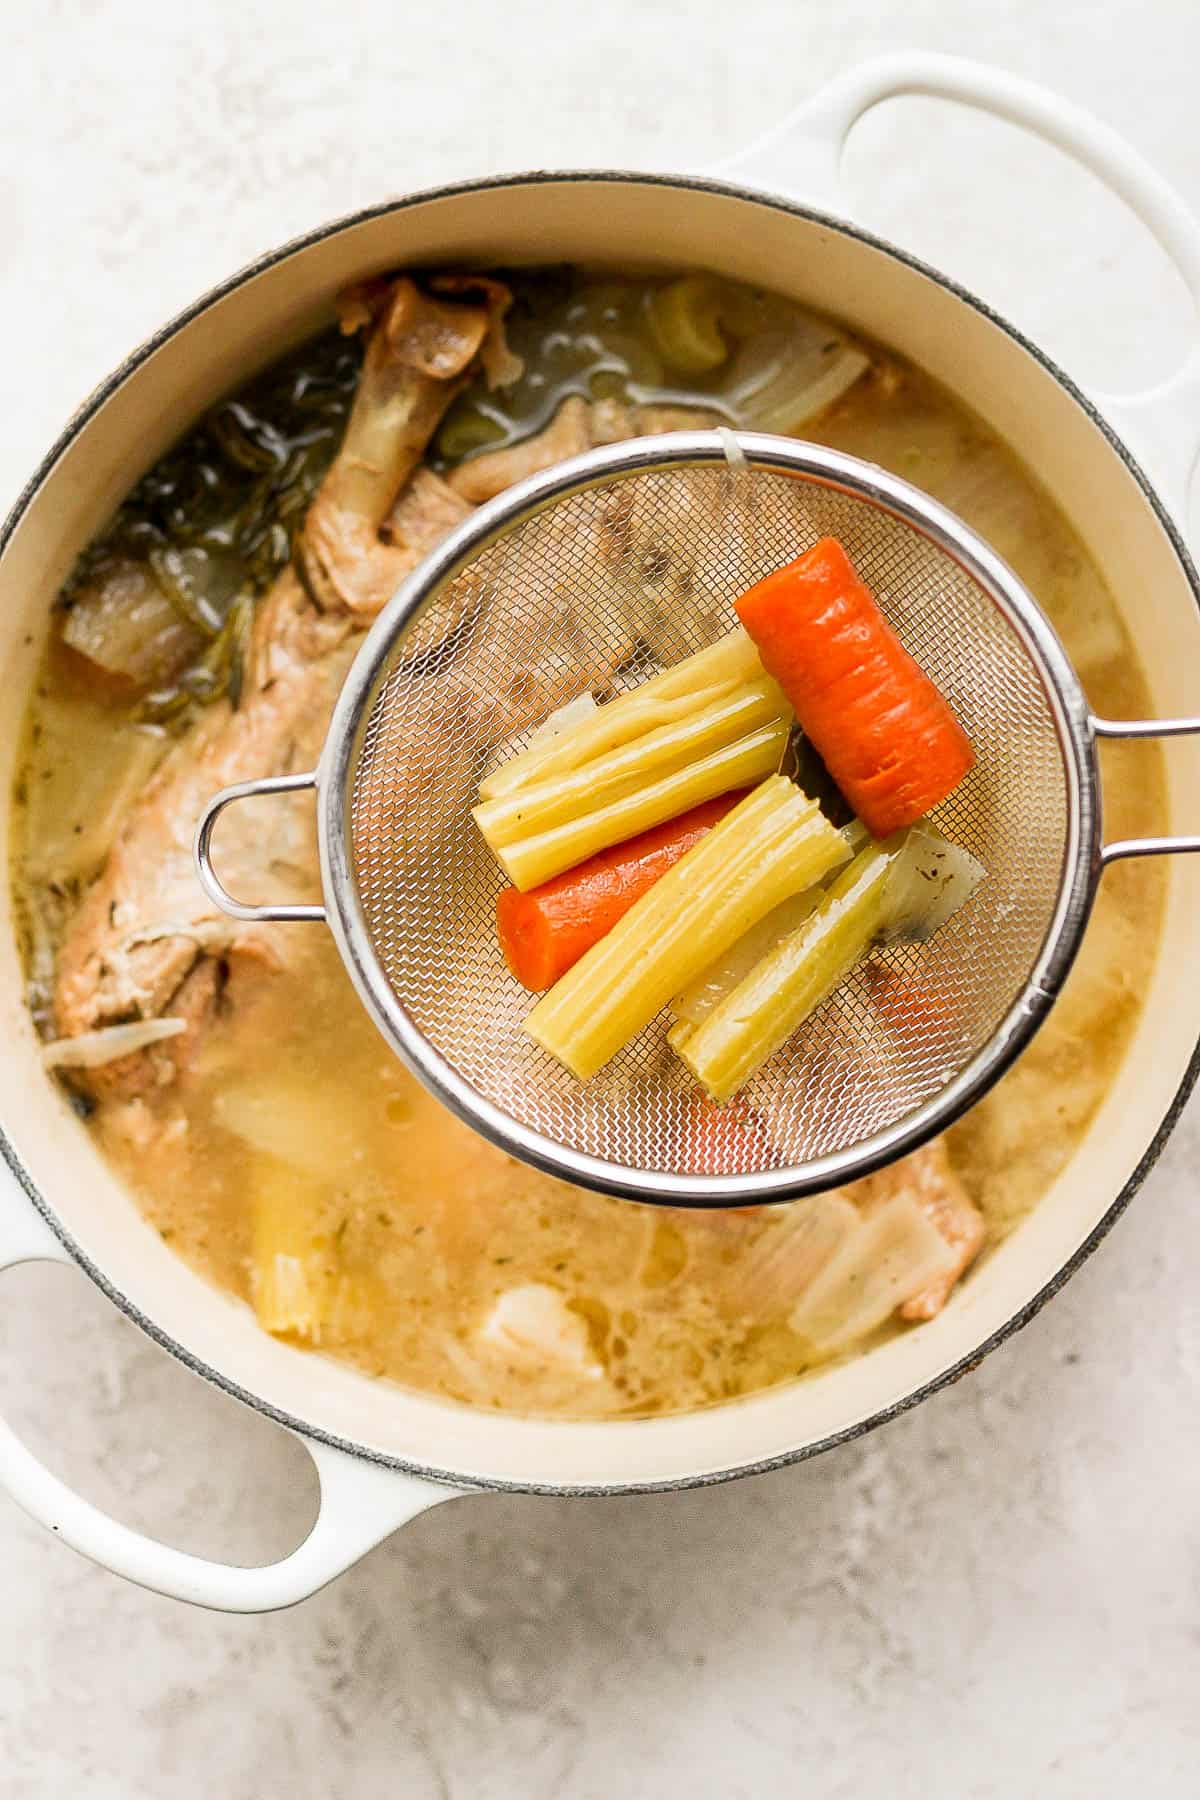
(906, 1006)
(726, 1140)
(886, 735)
(543, 932)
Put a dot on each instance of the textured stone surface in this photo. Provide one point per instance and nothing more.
(1000, 1594)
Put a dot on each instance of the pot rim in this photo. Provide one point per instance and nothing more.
(77, 424)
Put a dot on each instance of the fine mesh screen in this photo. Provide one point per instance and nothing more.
(602, 587)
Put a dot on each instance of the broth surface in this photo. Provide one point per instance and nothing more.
(294, 1094)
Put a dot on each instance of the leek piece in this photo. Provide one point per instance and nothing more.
(532, 860)
(895, 1252)
(686, 686)
(559, 798)
(774, 843)
(774, 999)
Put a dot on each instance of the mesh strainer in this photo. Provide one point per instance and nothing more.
(592, 576)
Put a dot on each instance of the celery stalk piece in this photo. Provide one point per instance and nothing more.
(557, 799)
(774, 843)
(292, 1260)
(532, 860)
(774, 999)
(711, 987)
(674, 694)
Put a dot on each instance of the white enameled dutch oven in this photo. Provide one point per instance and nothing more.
(383, 1454)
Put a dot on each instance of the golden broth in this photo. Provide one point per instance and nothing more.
(295, 1097)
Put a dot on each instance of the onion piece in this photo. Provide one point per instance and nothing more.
(797, 1243)
(893, 1254)
(92, 1049)
(928, 882)
(128, 627)
(781, 379)
(564, 717)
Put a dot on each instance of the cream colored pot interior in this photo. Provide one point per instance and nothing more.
(645, 222)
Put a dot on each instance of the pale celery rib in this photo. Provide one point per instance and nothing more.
(761, 1013)
(558, 798)
(675, 694)
(774, 843)
(292, 1260)
(532, 860)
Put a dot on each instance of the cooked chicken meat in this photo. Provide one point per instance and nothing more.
(147, 940)
(578, 425)
(146, 927)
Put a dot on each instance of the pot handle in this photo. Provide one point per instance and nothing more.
(361, 1503)
(803, 154)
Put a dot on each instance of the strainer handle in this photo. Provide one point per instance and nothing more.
(211, 882)
(803, 155)
(1147, 728)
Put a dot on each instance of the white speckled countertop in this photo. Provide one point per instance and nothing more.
(997, 1595)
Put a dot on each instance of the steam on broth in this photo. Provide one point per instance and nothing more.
(265, 1130)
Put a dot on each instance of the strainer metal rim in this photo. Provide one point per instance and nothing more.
(1082, 857)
